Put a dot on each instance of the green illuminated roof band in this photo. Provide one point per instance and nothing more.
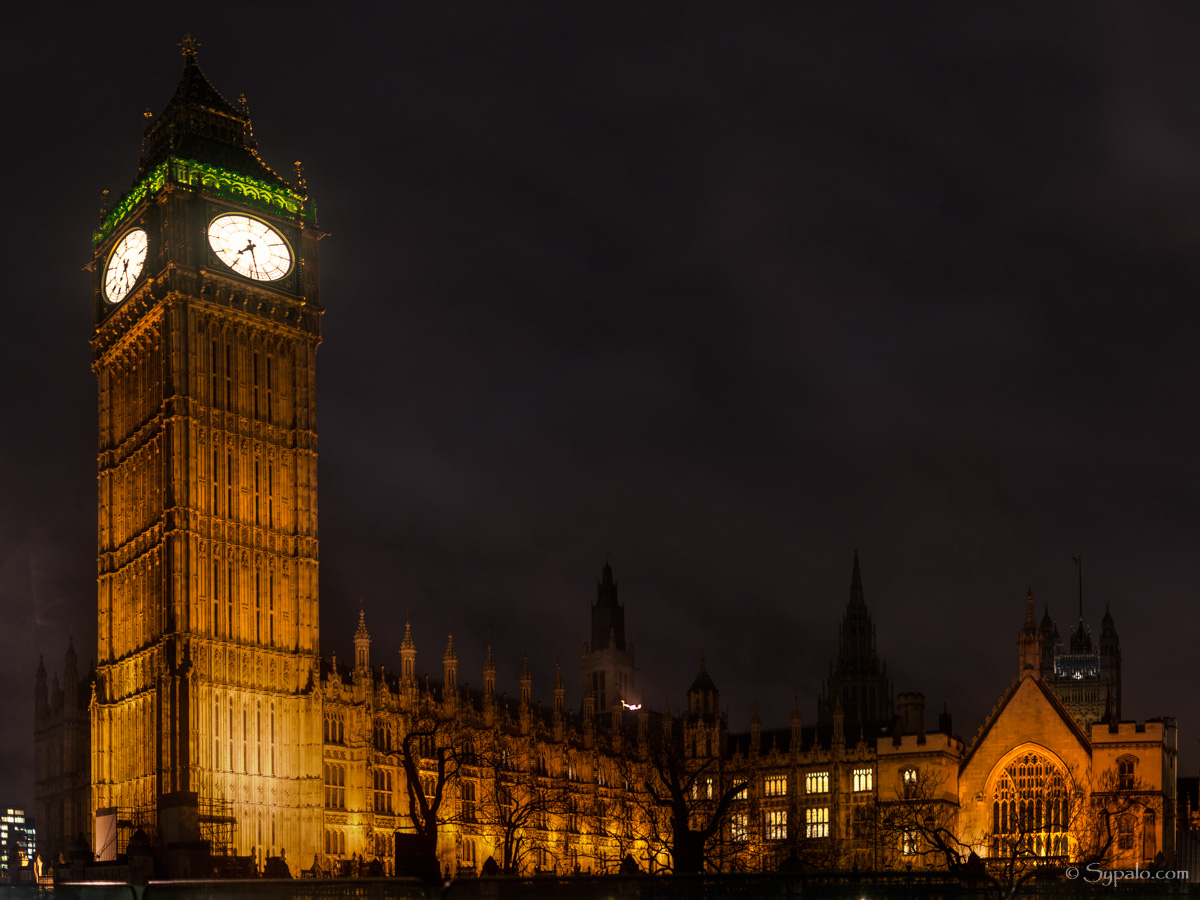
(249, 191)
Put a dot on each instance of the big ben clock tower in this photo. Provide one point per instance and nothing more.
(207, 325)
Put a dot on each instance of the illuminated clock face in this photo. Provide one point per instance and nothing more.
(125, 265)
(250, 247)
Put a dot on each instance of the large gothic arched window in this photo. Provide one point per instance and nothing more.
(1031, 808)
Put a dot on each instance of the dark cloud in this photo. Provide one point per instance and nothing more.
(720, 294)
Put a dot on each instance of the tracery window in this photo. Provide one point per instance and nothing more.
(1125, 833)
(864, 779)
(1125, 773)
(335, 786)
(816, 822)
(775, 785)
(816, 783)
(775, 821)
(383, 790)
(739, 828)
(1031, 808)
(467, 797)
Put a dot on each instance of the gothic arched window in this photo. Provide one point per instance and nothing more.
(1031, 808)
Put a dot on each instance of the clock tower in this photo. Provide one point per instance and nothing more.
(204, 721)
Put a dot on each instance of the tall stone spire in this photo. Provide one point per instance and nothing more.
(858, 677)
(608, 616)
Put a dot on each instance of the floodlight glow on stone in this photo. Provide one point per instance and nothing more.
(125, 265)
(250, 247)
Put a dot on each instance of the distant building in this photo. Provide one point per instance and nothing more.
(62, 757)
(1084, 675)
(15, 827)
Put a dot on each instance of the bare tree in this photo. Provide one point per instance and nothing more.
(917, 826)
(685, 802)
(1113, 824)
(516, 800)
(431, 761)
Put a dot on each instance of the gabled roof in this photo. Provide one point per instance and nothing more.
(1051, 698)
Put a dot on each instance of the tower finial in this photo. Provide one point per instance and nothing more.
(189, 45)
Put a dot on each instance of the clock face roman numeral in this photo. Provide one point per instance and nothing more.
(250, 247)
(125, 265)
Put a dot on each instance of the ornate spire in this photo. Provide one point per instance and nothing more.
(858, 676)
(526, 682)
(489, 674)
(560, 690)
(362, 641)
(408, 654)
(450, 666)
(1047, 625)
(189, 45)
(856, 588)
(608, 616)
(200, 124)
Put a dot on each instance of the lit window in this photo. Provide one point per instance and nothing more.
(776, 822)
(1125, 833)
(908, 843)
(775, 786)
(864, 779)
(816, 822)
(816, 782)
(739, 827)
(468, 801)
(1030, 809)
(708, 788)
(909, 778)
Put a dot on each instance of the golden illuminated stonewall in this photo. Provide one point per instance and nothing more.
(207, 326)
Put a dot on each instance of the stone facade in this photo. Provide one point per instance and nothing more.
(61, 752)
(211, 715)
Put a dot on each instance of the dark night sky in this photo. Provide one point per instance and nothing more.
(719, 293)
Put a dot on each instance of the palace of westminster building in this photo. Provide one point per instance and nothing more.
(211, 717)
